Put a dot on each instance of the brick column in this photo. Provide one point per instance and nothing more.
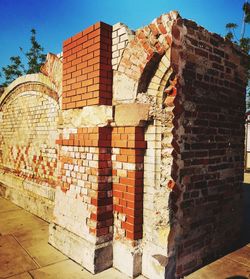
(127, 160)
(83, 217)
(87, 70)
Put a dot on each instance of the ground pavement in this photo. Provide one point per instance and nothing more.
(25, 253)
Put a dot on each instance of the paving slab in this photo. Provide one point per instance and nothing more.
(70, 270)
(64, 270)
(25, 275)
(35, 242)
(241, 256)
(7, 206)
(18, 220)
(13, 258)
(222, 269)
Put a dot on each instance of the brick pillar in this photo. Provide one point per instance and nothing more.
(127, 160)
(87, 69)
(83, 217)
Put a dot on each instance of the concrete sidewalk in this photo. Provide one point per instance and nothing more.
(25, 253)
(233, 266)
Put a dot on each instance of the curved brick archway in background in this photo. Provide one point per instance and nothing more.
(29, 113)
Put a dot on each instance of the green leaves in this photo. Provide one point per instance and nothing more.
(35, 55)
(229, 36)
(243, 43)
(246, 9)
(14, 70)
(231, 25)
(35, 58)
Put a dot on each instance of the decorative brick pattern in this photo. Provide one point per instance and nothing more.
(86, 167)
(87, 70)
(28, 133)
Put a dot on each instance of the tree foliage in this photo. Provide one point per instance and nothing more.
(34, 57)
(243, 42)
(13, 71)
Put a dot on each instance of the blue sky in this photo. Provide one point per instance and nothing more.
(56, 20)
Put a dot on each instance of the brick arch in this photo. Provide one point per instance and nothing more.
(32, 82)
(142, 55)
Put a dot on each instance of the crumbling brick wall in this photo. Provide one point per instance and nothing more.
(29, 110)
(210, 138)
(148, 143)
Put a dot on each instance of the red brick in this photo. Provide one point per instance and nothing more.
(94, 47)
(88, 30)
(68, 41)
(70, 105)
(76, 49)
(102, 231)
(81, 104)
(93, 61)
(69, 46)
(87, 82)
(118, 194)
(81, 53)
(121, 158)
(76, 85)
(91, 102)
(82, 65)
(76, 61)
(94, 74)
(81, 77)
(119, 187)
(95, 33)
(88, 69)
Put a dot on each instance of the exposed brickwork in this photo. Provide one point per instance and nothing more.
(209, 149)
(91, 173)
(127, 161)
(86, 167)
(28, 131)
(87, 70)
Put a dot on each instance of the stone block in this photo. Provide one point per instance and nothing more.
(124, 88)
(94, 257)
(131, 114)
(87, 117)
(127, 258)
(154, 261)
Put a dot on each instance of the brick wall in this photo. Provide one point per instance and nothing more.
(87, 70)
(86, 172)
(27, 143)
(209, 129)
